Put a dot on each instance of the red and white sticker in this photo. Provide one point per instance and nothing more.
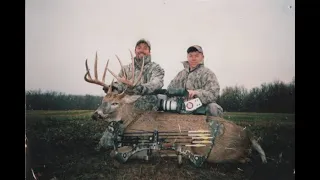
(189, 105)
(193, 104)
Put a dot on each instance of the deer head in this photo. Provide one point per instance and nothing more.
(113, 102)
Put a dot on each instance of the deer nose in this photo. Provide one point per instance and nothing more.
(96, 115)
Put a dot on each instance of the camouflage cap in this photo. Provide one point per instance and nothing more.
(144, 41)
(195, 48)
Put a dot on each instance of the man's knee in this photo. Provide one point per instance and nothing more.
(214, 109)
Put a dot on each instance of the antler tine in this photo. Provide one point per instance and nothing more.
(132, 58)
(110, 88)
(87, 73)
(95, 66)
(121, 95)
(87, 68)
(104, 72)
(124, 79)
(140, 75)
(114, 75)
(87, 76)
(123, 71)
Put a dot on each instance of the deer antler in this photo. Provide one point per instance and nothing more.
(124, 79)
(87, 76)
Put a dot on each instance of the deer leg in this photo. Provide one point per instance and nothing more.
(213, 109)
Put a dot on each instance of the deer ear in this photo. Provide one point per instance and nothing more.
(130, 99)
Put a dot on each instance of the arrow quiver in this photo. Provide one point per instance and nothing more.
(144, 144)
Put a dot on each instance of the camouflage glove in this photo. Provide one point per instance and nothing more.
(106, 140)
(108, 137)
(135, 90)
(138, 89)
(177, 92)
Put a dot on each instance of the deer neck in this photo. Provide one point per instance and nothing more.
(127, 114)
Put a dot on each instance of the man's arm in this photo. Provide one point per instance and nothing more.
(176, 81)
(210, 91)
(156, 81)
(119, 86)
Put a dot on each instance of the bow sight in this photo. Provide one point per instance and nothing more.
(143, 144)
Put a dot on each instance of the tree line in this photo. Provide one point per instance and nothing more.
(274, 97)
(52, 100)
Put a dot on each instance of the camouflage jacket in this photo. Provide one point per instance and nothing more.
(200, 79)
(152, 76)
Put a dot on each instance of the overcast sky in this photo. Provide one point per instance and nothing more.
(245, 42)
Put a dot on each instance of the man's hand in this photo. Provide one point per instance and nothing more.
(130, 90)
(192, 93)
(135, 90)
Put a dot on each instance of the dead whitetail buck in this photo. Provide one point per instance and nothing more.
(134, 133)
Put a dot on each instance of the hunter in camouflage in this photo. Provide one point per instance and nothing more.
(153, 73)
(199, 80)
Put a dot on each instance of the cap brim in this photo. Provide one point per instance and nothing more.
(143, 41)
(193, 48)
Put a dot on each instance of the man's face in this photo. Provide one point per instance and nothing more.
(142, 50)
(194, 58)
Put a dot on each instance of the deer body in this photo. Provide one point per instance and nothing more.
(231, 142)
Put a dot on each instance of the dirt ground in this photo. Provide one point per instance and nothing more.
(65, 150)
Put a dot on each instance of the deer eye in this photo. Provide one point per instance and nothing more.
(114, 103)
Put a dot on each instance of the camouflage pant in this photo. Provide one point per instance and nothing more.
(214, 109)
